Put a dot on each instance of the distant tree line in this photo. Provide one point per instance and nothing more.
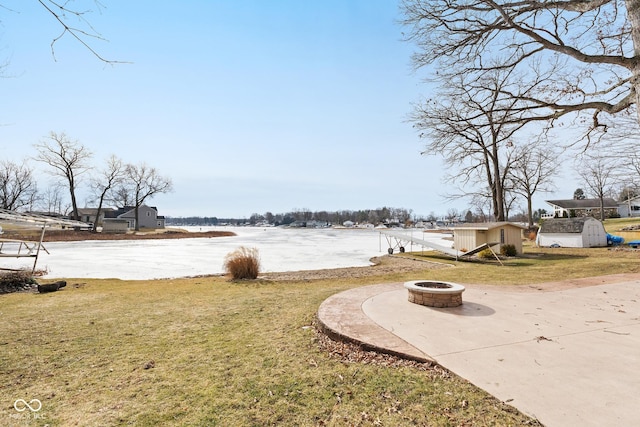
(371, 216)
(389, 216)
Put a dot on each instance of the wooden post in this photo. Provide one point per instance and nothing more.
(38, 250)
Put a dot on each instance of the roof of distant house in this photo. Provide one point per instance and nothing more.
(486, 225)
(584, 203)
(93, 211)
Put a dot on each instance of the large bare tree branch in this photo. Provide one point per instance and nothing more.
(61, 11)
(592, 47)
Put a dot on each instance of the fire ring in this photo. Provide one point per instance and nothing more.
(435, 293)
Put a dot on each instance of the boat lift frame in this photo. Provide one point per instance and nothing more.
(15, 248)
(399, 240)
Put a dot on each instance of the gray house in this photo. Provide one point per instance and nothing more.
(123, 219)
(584, 232)
(147, 215)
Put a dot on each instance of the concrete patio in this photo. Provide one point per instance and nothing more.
(566, 357)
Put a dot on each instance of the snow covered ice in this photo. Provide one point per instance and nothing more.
(280, 249)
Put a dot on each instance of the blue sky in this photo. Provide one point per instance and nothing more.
(248, 106)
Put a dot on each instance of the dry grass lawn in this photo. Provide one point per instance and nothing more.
(209, 352)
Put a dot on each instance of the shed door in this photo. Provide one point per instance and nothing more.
(592, 237)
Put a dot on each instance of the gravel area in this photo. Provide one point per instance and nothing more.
(386, 264)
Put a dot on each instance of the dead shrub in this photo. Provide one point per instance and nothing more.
(243, 263)
(508, 250)
(16, 281)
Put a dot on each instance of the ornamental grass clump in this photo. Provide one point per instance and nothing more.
(486, 254)
(243, 264)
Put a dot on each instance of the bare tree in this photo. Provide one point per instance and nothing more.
(635, 168)
(591, 48)
(18, 187)
(68, 159)
(482, 207)
(122, 195)
(620, 144)
(598, 174)
(52, 202)
(532, 171)
(144, 182)
(452, 214)
(472, 125)
(73, 22)
(626, 193)
(510, 201)
(105, 181)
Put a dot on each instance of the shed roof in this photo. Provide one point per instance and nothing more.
(565, 225)
(609, 203)
(487, 225)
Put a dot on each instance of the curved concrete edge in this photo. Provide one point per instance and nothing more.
(341, 317)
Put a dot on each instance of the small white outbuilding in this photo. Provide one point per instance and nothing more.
(469, 236)
(584, 232)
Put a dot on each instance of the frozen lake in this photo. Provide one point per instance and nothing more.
(280, 249)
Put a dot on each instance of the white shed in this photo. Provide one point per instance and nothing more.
(585, 232)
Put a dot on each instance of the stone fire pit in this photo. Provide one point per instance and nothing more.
(435, 294)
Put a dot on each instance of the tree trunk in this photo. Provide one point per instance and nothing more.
(499, 189)
(74, 204)
(137, 228)
(633, 12)
(530, 209)
(98, 212)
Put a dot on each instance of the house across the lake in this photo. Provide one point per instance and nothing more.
(123, 219)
